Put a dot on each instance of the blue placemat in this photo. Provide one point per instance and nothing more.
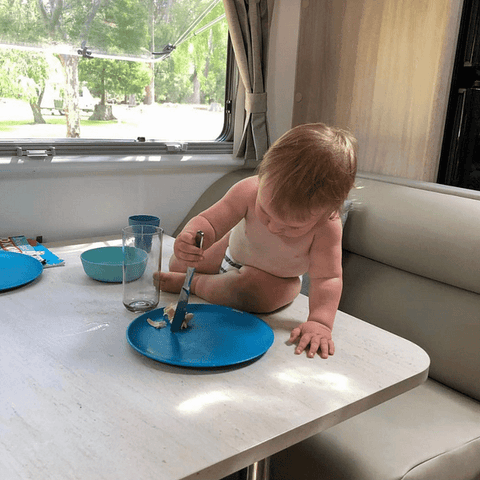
(20, 244)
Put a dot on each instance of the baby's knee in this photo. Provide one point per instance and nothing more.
(284, 294)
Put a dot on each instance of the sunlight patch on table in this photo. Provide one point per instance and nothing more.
(198, 403)
(334, 381)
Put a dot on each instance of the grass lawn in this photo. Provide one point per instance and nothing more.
(160, 122)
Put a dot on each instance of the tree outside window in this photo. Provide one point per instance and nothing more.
(104, 47)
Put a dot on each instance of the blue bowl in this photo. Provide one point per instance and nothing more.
(105, 264)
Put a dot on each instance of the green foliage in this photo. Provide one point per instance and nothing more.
(112, 76)
(23, 74)
(20, 21)
(121, 26)
(194, 72)
(200, 57)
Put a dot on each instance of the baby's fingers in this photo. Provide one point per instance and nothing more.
(188, 253)
(303, 343)
(296, 332)
(315, 344)
(327, 347)
(324, 348)
(331, 347)
(190, 258)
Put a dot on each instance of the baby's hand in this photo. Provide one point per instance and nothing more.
(185, 249)
(316, 335)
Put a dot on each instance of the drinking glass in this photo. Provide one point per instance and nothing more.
(142, 257)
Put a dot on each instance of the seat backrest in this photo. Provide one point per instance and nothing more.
(214, 193)
(412, 266)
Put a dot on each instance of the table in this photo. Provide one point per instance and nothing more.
(78, 402)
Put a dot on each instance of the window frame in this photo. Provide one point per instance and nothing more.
(81, 150)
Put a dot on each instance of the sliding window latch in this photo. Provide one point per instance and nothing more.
(36, 154)
(176, 147)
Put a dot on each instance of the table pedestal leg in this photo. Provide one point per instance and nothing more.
(259, 470)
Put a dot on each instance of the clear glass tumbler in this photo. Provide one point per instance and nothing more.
(142, 257)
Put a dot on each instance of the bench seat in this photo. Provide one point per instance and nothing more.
(412, 267)
(431, 432)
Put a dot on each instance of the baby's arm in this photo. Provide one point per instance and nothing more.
(324, 296)
(216, 221)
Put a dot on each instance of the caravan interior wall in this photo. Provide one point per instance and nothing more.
(381, 68)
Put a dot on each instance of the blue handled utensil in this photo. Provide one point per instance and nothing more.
(181, 310)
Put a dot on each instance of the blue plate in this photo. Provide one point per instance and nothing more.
(216, 336)
(18, 269)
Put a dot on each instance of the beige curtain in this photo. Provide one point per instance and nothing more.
(248, 23)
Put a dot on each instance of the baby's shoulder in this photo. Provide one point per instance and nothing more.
(249, 183)
(329, 232)
(246, 188)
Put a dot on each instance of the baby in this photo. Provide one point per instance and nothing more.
(273, 227)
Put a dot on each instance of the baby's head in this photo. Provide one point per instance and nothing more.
(312, 167)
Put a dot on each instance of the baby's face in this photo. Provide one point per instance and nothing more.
(280, 226)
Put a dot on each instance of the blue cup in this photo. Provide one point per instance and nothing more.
(150, 220)
(144, 220)
(143, 235)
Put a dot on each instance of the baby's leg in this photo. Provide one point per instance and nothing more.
(212, 258)
(248, 289)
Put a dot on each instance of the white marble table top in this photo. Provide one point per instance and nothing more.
(77, 401)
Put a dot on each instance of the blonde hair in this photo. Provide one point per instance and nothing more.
(309, 167)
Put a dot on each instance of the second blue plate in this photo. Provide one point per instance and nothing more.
(216, 336)
(18, 269)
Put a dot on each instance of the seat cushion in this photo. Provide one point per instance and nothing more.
(442, 319)
(431, 432)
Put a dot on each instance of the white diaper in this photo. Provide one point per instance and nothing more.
(228, 263)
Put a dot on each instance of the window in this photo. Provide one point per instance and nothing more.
(114, 75)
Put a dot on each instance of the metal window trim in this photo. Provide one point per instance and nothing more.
(60, 147)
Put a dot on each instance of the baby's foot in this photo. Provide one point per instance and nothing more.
(169, 281)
